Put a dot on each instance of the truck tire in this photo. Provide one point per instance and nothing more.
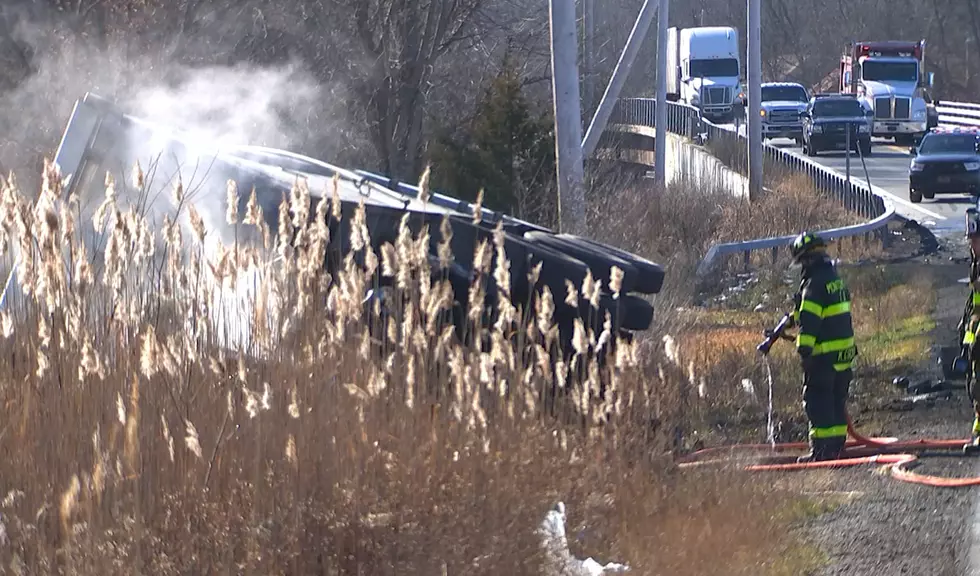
(650, 275)
(599, 261)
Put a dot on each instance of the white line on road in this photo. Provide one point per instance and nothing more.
(888, 196)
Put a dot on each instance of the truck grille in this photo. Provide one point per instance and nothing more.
(834, 127)
(940, 168)
(902, 108)
(716, 96)
(883, 107)
(784, 116)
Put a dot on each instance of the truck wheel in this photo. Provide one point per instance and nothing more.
(600, 261)
(650, 275)
(915, 197)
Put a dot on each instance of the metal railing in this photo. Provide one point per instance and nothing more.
(686, 121)
(958, 114)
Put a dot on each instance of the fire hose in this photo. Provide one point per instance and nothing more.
(897, 456)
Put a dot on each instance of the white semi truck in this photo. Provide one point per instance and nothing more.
(889, 77)
(704, 70)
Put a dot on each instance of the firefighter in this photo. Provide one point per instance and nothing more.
(825, 344)
(970, 324)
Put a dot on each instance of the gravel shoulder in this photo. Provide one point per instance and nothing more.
(879, 525)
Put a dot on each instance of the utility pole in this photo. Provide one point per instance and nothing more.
(568, 117)
(619, 75)
(660, 124)
(754, 127)
(588, 14)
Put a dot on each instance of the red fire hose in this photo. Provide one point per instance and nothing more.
(896, 455)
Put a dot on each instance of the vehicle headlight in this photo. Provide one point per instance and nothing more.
(862, 128)
(695, 100)
(817, 128)
(762, 112)
(919, 115)
(916, 167)
(972, 166)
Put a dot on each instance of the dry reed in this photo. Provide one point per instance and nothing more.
(173, 405)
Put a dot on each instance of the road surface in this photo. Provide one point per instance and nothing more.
(888, 169)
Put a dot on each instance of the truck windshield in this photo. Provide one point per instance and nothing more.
(882, 71)
(715, 67)
(783, 93)
(948, 144)
(838, 108)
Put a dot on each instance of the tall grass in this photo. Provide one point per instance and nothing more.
(172, 405)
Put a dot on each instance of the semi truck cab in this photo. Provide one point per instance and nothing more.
(704, 70)
(889, 77)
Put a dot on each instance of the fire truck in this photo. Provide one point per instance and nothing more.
(888, 77)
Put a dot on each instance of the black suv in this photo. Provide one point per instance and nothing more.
(945, 162)
(826, 120)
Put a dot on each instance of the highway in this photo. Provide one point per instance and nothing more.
(888, 169)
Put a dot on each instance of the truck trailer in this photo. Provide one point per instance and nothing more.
(703, 70)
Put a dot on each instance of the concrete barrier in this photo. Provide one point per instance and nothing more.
(684, 158)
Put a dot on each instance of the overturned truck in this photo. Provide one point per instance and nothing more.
(101, 138)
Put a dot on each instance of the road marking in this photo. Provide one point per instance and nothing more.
(885, 194)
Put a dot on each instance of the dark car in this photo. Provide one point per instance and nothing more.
(827, 119)
(945, 162)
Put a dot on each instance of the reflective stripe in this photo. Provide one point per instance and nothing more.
(969, 337)
(829, 432)
(812, 307)
(976, 298)
(833, 345)
(825, 311)
(843, 366)
(805, 340)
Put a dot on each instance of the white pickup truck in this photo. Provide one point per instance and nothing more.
(782, 103)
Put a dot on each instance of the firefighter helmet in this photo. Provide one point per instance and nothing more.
(806, 243)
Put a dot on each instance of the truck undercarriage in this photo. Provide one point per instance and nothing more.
(100, 138)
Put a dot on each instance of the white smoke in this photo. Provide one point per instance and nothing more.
(279, 106)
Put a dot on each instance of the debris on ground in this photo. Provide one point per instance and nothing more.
(561, 560)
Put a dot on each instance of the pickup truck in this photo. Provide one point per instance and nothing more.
(782, 103)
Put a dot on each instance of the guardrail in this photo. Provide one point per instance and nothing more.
(958, 114)
(686, 121)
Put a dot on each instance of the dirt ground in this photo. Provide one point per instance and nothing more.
(882, 525)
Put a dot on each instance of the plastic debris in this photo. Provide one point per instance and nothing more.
(561, 561)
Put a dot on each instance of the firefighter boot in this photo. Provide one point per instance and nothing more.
(973, 446)
(835, 447)
(818, 452)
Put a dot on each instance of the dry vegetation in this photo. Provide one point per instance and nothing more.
(678, 225)
(714, 346)
(138, 437)
(892, 323)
